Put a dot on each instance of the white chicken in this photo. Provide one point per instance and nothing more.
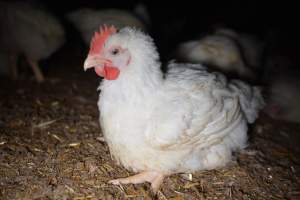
(283, 94)
(252, 47)
(190, 120)
(225, 51)
(87, 20)
(29, 31)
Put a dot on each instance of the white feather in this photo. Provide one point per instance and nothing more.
(191, 120)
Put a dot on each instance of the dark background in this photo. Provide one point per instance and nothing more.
(176, 21)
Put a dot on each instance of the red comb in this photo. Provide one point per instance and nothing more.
(100, 37)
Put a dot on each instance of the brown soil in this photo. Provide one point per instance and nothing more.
(51, 148)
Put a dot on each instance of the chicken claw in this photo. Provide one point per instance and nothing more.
(36, 70)
(153, 177)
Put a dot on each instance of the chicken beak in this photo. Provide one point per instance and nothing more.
(103, 67)
(94, 61)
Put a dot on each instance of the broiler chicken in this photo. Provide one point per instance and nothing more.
(252, 47)
(190, 120)
(224, 51)
(87, 21)
(29, 31)
(283, 94)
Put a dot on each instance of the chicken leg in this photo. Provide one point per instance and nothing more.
(36, 70)
(155, 178)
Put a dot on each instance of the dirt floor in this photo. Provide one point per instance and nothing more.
(51, 148)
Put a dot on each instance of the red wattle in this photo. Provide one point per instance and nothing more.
(99, 71)
(111, 73)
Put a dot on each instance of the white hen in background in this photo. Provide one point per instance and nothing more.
(190, 120)
(87, 20)
(29, 31)
(251, 47)
(224, 51)
(282, 88)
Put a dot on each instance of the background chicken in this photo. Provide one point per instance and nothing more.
(281, 80)
(87, 21)
(281, 77)
(238, 55)
(190, 120)
(283, 96)
(28, 31)
(251, 47)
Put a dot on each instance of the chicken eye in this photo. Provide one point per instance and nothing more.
(115, 51)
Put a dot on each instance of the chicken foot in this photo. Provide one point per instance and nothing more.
(36, 70)
(153, 177)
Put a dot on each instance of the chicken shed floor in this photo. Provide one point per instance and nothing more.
(51, 148)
